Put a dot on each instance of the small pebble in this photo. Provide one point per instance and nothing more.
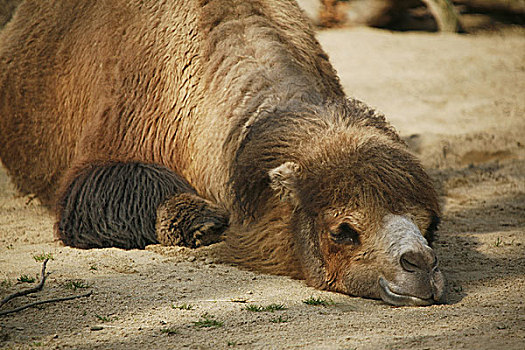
(97, 328)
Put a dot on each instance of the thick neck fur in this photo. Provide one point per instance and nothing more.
(266, 245)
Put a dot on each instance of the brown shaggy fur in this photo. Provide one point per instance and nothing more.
(219, 93)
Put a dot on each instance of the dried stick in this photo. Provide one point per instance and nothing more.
(45, 302)
(43, 276)
(38, 288)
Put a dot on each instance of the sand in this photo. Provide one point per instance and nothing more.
(458, 100)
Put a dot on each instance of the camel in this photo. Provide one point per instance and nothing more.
(192, 122)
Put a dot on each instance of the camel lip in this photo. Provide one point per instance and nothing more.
(390, 297)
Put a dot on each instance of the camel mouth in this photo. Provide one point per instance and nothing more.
(390, 297)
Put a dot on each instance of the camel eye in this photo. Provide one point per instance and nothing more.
(345, 234)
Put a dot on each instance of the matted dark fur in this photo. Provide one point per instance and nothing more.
(129, 114)
(114, 205)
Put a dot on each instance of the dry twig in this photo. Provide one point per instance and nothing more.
(45, 302)
(43, 276)
(38, 288)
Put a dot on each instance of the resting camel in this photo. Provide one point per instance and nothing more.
(188, 122)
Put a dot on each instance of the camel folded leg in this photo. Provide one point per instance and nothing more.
(116, 205)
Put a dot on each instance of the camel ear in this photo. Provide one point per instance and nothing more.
(284, 179)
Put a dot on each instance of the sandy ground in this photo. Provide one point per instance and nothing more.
(460, 103)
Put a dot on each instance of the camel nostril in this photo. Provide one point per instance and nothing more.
(412, 261)
(408, 264)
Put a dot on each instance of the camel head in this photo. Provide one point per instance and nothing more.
(364, 213)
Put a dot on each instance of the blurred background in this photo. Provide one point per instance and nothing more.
(426, 15)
